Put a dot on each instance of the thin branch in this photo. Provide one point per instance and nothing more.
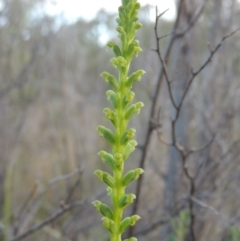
(161, 139)
(164, 67)
(207, 61)
(194, 150)
(73, 188)
(35, 202)
(165, 35)
(57, 214)
(161, 14)
(205, 205)
(64, 177)
(24, 207)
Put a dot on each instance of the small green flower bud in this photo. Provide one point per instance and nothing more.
(112, 97)
(126, 200)
(130, 111)
(108, 179)
(110, 79)
(118, 159)
(135, 76)
(97, 204)
(109, 191)
(131, 133)
(127, 99)
(108, 113)
(134, 13)
(103, 209)
(106, 211)
(130, 239)
(134, 19)
(137, 6)
(128, 135)
(111, 44)
(107, 134)
(137, 50)
(127, 222)
(120, 9)
(102, 154)
(121, 62)
(115, 48)
(120, 29)
(108, 159)
(131, 49)
(136, 42)
(114, 62)
(109, 224)
(118, 21)
(133, 143)
(99, 174)
(139, 105)
(134, 219)
(130, 147)
(131, 175)
(105, 177)
(137, 26)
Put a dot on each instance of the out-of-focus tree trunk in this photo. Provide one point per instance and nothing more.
(179, 72)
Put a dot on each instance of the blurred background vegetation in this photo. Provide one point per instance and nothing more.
(51, 100)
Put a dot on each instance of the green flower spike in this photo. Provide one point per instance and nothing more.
(121, 138)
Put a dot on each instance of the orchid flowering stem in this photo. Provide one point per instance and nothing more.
(121, 138)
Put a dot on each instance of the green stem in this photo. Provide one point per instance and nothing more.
(119, 190)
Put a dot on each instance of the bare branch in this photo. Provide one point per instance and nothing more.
(194, 150)
(164, 67)
(161, 14)
(35, 202)
(165, 35)
(161, 139)
(207, 61)
(64, 177)
(24, 206)
(57, 214)
(204, 205)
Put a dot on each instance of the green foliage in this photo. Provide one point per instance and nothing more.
(121, 139)
(234, 233)
(179, 226)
